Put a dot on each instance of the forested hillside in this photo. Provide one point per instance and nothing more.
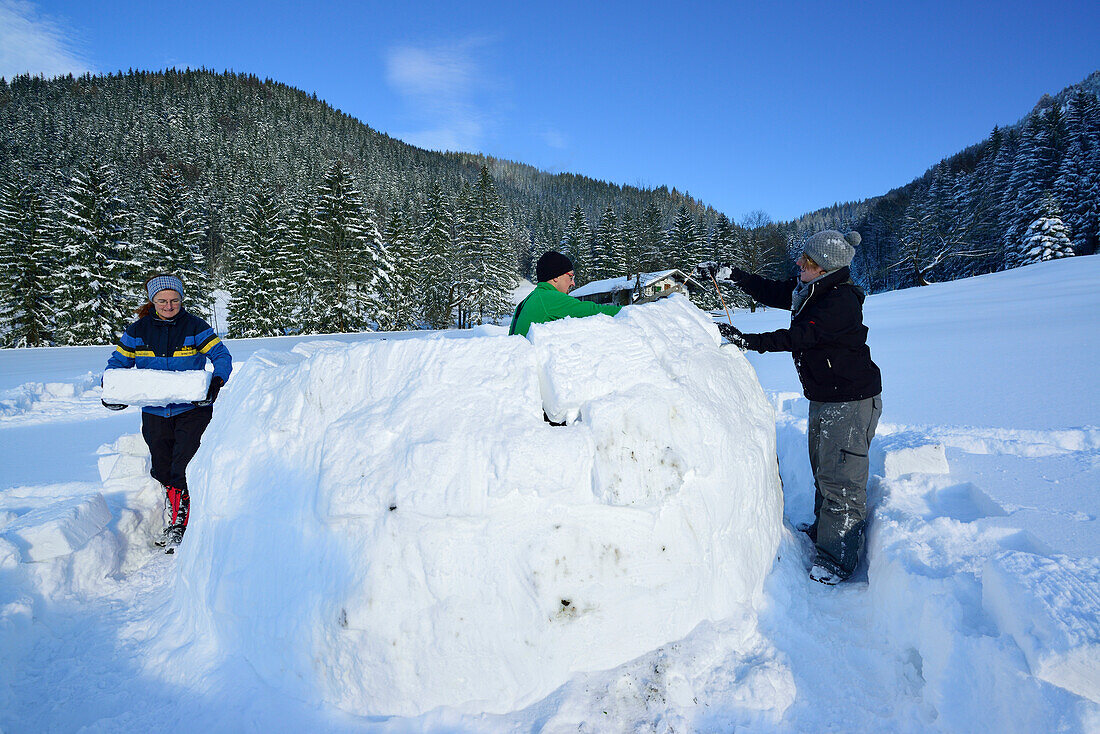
(1029, 192)
(316, 223)
(258, 188)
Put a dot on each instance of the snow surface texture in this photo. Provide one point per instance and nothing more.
(60, 528)
(393, 525)
(154, 387)
(1050, 606)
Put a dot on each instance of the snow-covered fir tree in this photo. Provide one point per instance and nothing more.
(258, 281)
(652, 241)
(403, 296)
(723, 249)
(576, 245)
(28, 261)
(684, 241)
(98, 282)
(173, 237)
(295, 264)
(432, 267)
(341, 260)
(488, 259)
(1047, 237)
(608, 248)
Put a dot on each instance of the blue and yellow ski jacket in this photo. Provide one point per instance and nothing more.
(182, 343)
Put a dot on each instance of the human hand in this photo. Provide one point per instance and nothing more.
(733, 335)
(706, 270)
(211, 394)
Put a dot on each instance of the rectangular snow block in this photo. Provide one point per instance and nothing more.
(927, 459)
(122, 466)
(60, 528)
(1051, 607)
(154, 387)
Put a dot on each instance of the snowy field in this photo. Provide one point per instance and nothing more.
(387, 537)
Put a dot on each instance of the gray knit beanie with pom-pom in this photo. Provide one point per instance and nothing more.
(831, 249)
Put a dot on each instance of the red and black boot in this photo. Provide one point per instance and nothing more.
(180, 503)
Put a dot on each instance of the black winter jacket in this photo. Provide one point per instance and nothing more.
(827, 337)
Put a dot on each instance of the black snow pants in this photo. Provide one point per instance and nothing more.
(173, 441)
(839, 437)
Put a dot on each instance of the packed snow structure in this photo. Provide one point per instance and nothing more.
(391, 526)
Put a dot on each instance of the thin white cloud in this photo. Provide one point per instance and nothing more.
(555, 139)
(36, 44)
(420, 72)
(441, 86)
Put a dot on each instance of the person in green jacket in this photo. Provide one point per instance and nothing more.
(550, 300)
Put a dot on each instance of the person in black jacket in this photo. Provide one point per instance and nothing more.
(828, 340)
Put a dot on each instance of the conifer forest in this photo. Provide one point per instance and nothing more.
(315, 223)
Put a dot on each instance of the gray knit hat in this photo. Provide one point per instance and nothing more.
(164, 282)
(831, 249)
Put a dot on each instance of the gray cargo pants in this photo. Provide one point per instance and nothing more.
(839, 437)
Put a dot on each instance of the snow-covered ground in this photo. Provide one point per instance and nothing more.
(978, 607)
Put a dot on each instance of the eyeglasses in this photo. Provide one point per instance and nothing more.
(163, 302)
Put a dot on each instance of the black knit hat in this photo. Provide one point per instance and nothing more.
(551, 265)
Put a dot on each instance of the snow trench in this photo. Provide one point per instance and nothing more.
(391, 526)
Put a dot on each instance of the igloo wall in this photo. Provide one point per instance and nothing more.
(391, 526)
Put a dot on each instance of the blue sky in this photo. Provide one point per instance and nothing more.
(783, 107)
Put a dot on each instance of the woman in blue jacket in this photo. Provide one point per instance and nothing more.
(167, 337)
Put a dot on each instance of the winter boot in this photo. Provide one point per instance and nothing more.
(825, 571)
(172, 538)
(179, 502)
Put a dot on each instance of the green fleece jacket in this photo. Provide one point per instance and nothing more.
(547, 303)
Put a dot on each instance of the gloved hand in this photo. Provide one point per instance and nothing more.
(706, 270)
(113, 406)
(212, 393)
(733, 335)
(736, 275)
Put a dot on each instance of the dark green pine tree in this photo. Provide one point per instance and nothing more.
(295, 264)
(652, 240)
(724, 240)
(488, 258)
(1077, 184)
(96, 287)
(576, 245)
(608, 249)
(980, 221)
(463, 275)
(1023, 198)
(723, 249)
(173, 239)
(683, 241)
(433, 268)
(339, 257)
(403, 297)
(258, 279)
(28, 259)
(376, 274)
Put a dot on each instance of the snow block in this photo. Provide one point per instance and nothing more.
(154, 387)
(390, 526)
(1051, 607)
(927, 458)
(60, 528)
